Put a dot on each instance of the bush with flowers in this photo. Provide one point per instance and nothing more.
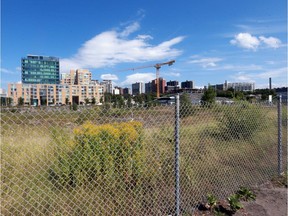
(108, 153)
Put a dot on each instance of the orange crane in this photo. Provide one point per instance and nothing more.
(157, 66)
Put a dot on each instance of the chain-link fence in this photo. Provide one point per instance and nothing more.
(100, 160)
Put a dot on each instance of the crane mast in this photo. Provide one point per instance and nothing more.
(158, 66)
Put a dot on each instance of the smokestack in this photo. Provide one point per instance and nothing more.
(270, 83)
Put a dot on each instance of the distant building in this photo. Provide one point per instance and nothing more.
(148, 87)
(187, 85)
(162, 84)
(137, 88)
(118, 90)
(77, 77)
(172, 86)
(108, 86)
(126, 91)
(3, 93)
(40, 70)
(242, 86)
(237, 86)
(218, 87)
(75, 87)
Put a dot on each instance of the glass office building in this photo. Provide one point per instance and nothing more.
(40, 70)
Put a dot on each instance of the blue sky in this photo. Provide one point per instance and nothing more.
(210, 40)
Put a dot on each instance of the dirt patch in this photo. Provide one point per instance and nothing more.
(271, 200)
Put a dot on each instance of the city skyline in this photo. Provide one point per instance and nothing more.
(210, 41)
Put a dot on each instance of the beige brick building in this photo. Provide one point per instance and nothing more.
(75, 87)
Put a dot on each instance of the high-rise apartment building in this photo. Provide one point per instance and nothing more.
(108, 86)
(162, 84)
(137, 88)
(148, 87)
(187, 85)
(126, 91)
(172, 86)
(40, 70)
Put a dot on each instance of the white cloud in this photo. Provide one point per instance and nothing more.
(244, 77)
(274, 73)
(130, 29)
(246, 40)
(271, 41)
(231, 67)
(206, 62)
(138, 77)
(144, 37)
(6, 71)
(109, 77)
(112, 47)
(172, 74)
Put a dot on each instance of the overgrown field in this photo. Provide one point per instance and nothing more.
(121, 161)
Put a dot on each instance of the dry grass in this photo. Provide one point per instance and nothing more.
(208, 163)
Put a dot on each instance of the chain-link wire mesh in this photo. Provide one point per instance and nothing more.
(224, 147)
(99, 160)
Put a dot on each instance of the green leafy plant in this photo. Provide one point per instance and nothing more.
(186, 107)
(241, 121)
(211, 201)
(246, 194)
(234, 202)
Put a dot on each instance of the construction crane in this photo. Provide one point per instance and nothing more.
(157, 66)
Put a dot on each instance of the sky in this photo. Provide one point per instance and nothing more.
(210, 40)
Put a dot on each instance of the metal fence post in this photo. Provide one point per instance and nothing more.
(280, 135)
(177, 165)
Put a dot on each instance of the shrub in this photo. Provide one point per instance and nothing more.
(209, 96)
(241, 121)
(74, 106)
(186, 107)
(109, 153)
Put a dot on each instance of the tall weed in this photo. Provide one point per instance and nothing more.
(109, 153)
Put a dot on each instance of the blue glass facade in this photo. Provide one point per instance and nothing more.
(40, 70)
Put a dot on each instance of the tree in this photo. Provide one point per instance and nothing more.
(265, 93)
(129, 101)
(107, 97)
(86, 100)
(209, 95)
(186, 108)
(93, 100)
(20, 101)
(66, 101)
(239, 95)
(140, 98)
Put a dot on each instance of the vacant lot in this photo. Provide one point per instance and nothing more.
(221, 148)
